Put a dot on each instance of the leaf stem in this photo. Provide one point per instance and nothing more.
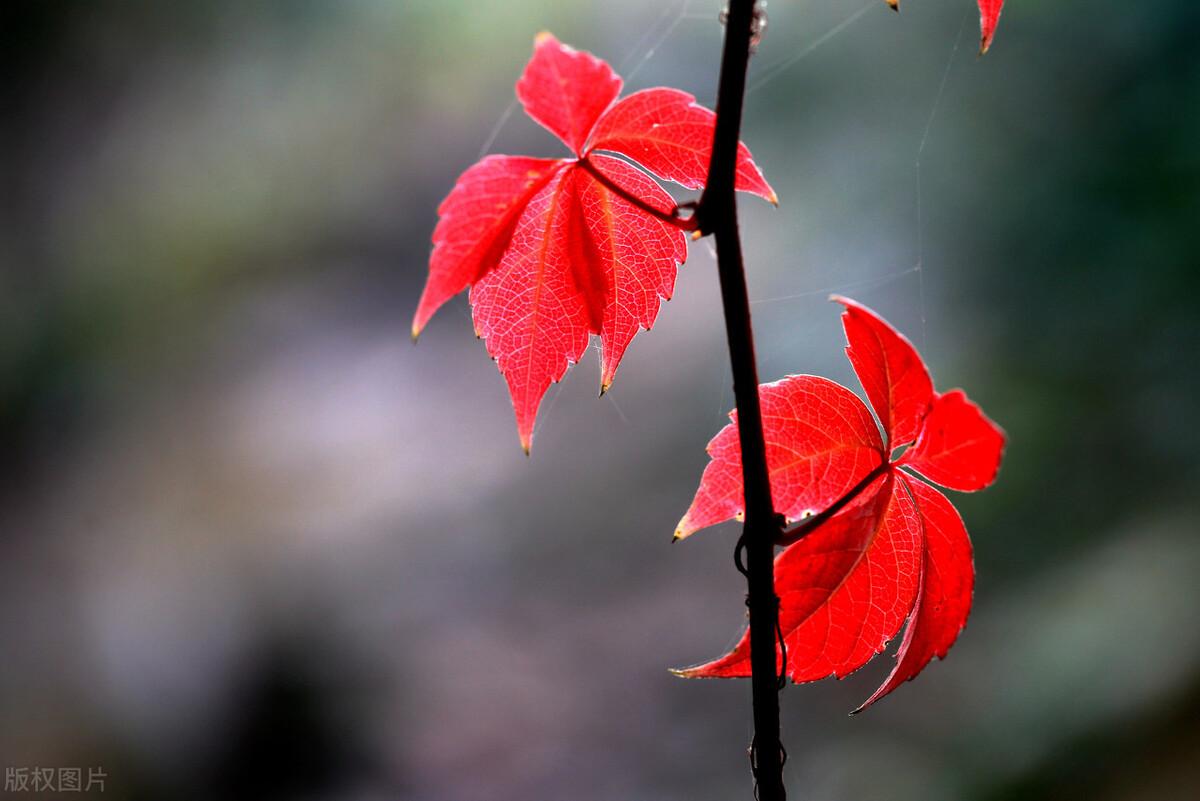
(670, 217)
(717, 214)
(808, 524)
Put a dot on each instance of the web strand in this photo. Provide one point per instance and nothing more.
(640, 51)
(643, 52)
(670, 29)
(617, 408)
(876, 281)
(554, 392)
(773, 71)
(499, 126)
(937, 103)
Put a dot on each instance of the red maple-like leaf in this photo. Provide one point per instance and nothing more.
(552, 252)
(894, 548)
(989, 15)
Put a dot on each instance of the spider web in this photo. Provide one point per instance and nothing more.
(775, 70)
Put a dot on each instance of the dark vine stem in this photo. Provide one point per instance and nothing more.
(716, 213)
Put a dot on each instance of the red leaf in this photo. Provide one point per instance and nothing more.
(666, 132)
(582, 260)
(947, 580)
(529, 311)
(891, 372)
(820, 439)
(895, 549)
(989, 16)
(566, 90)
(475, 224)
(844, 590)
(632, 256)
(959, 447)
(552, 253)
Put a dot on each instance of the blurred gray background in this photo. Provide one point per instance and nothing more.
(255, 544)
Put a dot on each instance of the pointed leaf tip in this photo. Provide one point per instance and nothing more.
(607, 373)
(989, 17)
(694, 672)
(683, 530)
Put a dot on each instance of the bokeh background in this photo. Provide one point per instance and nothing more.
(255, 544)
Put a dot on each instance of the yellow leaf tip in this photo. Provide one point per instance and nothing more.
(895, 5)
(542, 36)
(773, 199)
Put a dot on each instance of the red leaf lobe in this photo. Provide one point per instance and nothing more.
(528, 310)
(566, 90)
(475, 224)
(959, 447)
(891, 372)
(947, 582)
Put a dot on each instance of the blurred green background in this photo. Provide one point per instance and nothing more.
(257, 545)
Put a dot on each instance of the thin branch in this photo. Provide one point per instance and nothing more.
(808, 524)
(670, 217)
(717, 214)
